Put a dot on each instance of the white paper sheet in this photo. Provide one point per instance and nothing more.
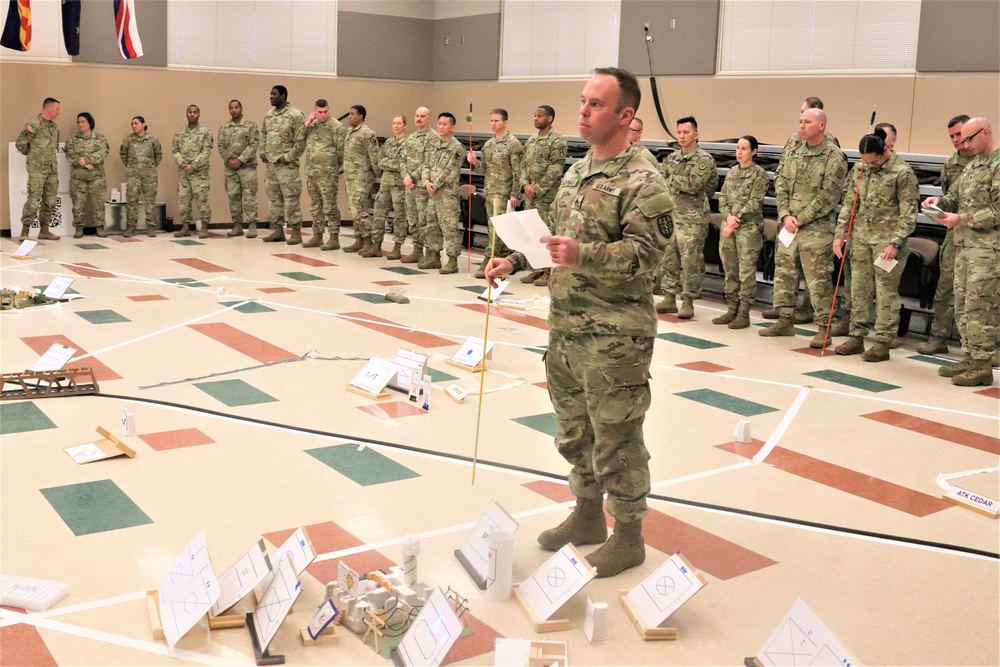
(188, 590)
(521, 230)
(786, 237)
(476, 548)
(375, 375)
(241, 578)
(301, 550)
(886, 265)
(57, 288)
(471, 352)
(801, 638)
(667, 588)
(25, 248)
(432, 633)
(277, 601)
(54, 358)
(556, 581)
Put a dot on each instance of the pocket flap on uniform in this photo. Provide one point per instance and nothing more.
(626, 375)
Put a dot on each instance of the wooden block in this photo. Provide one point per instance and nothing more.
(546, 653)
(361, 392)
(116, 442)
(970, 506)
(327, 637)
(551, 625)
(479, 368)
(153, 609)
(226, 621)
(647, 632)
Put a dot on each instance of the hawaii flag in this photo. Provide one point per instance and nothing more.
(129, 44)
(17, 29)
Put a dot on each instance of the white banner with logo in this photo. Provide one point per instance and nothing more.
(62, 216)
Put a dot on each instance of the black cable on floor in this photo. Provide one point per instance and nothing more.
(541, 473)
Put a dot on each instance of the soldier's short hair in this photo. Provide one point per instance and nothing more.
(238, 102)
(49, 101)
(628, 87)
(549, 111)
(636, 119)
(447, 115)
(882, 126)
(86, 116)
(961, 118)
(281, 90)
(500, 112)
(813, 103)
(322, 104)
(360, 110)
(688, 119)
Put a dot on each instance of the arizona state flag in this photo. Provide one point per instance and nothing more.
(17, 31)
(71, 26)
(127, 29)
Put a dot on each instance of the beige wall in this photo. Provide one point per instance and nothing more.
(919, 106)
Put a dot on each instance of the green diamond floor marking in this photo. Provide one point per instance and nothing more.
(186, 282)
(102, 316)
(690, 341)
(545, 422)
(187, 242)
(853, 381)
(94, 507)
(91, 246)
(252, 307)
(301, 276)
(937, 361)
(42, 288)
(439, 376)
(403, 270)
(362, 465)
(235, 393)
(369, 297)
(542, 349)
(717, 399)
(21, 417)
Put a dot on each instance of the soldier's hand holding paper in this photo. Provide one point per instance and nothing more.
(524, 231)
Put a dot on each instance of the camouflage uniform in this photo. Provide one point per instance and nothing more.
(361, 169)
(87, 185)
(283, 135)
(742, 196)
(944, 295)
(501, 163)
(542, 168)
(241, 140)
(391, 193)
(650, 158)
(692, 179)
(40, 146)
(886, 213)
(808, 184)
(140, 155)
(976, 199)
(442, 170)
(416, 146)
(602, 325)
(193, 146)
(324, 160)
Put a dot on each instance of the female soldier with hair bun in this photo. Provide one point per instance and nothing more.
(141, 152)
(86, 151)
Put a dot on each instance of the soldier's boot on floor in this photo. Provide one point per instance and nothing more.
(333, 243)
(934, 345)
(980, 373)
(585, 525)
(415, 256)
(820, 340)
(396, 252)
(771, 314)
(431, 260)
(783, 327)
(727, 316)
(451, 266)
(78, 232)
(203, 230)
(742, 319)
(25, 230)
(668, 304)
(372, 249)
(46, 235)
(840, 327)
(277, 234)
(102, 233)
(530, 277)
(316, 241)
(252, 230)
(295, 237)
(237, 230)
(625, 549)
(802, 317)
(877, 352)
(543, 280)
(853, 345)
(150, 231)
(956, 369)
(481, 271)
(185, 230)
(359, 243)
(686, 311)
(129, 231)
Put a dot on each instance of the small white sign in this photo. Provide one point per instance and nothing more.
(376, 374)
(323, 617)
(128, 423)
(974, 500)
(556, 581)
(57, 288)
(665, 590)
(54, 358)
(886, 265)
(25, 248)
(476, 549)
(493, 293)
(786, 237)
(471, 352)
(408, 362)
(513, 304)
(456, 393)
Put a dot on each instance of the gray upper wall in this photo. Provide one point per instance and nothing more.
(99, 43)
(684, 32)
(959, 36)
(384, 47)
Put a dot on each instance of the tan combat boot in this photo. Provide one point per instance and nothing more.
(101, 232)
(359, 243)
(25, 230)
(980, 372)
(431, 260)
(316, 241)
(727, 316)
(185, 230)
(877, 352)
(686, 311)
(415, 256)
(956, 369)
(934, 345)
(78, 232)
(771, 314)
(820, 340)
(46, 235)
(371, 249)
(237, 230)
(396, 252)
(333, 243)
(543, 280)
(668, 304)
(129, 231)
(742, 319)
(802, 317)
(481, 272)
(203, 231)
(853, 345)
(295, 238)
(783, 327)
(252, 230)
(277, 234)
(150, 232)
(451, 266)
(530, 277)
(586, 525)
(840, 327)
(625, 549)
